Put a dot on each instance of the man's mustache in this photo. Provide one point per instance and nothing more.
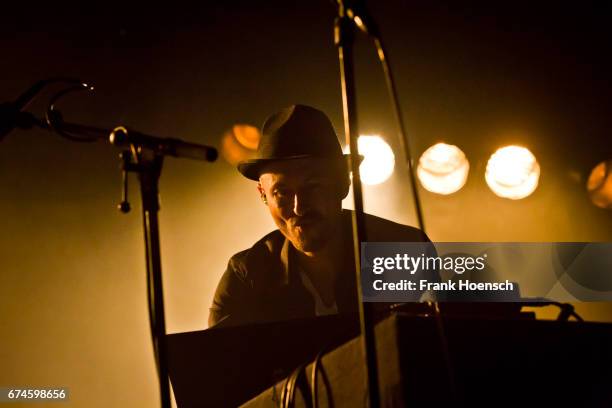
(306, 219)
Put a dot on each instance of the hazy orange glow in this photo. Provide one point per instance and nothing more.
(247, 136)
(599, 185)
(239, 143)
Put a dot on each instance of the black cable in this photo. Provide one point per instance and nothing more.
(12, 114)
(54, 118)
(404, 142)
(314, 380)
(405, 145)
(32, 93)
(356, 11)
(288, 394)
(283, 399)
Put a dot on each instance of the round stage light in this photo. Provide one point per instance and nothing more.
(239, 143)
(599, 185)
(443, 169)
(379, 160)
(512, 172)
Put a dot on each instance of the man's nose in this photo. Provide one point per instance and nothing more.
(300, 204)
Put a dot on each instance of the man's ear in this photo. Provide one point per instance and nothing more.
(262, 193)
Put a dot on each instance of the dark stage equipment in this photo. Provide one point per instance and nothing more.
(511, 361)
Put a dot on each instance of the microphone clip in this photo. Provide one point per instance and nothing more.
(126, 165)
(147, 164)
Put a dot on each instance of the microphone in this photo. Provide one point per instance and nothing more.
(122, 137)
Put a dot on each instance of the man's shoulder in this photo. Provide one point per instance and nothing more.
(263, 252)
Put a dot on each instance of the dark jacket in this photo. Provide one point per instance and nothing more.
(260, 284)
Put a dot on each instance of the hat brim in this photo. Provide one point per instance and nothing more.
(251, 169)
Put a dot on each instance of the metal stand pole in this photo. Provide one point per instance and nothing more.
(344, 38)
(148, 165)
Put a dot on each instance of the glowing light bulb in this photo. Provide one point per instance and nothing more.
(443, 169)
(239, 143)
(599, 185)
(512, 172)
(379, 160)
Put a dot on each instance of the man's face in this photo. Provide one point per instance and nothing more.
(305, 200)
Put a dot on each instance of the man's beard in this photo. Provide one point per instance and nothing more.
(309, 233)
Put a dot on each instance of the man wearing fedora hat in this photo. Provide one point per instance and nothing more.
(305, 268)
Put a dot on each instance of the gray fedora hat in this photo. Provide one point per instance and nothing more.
(295, 132)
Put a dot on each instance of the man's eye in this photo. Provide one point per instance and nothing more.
(280, 193)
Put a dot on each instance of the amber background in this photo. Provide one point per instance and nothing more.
(72, 288)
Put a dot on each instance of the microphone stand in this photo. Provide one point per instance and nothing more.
(352, 16)
(148, 165)
(344, 30)
(144, 156)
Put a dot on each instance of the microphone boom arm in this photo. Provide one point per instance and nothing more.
(122, 137)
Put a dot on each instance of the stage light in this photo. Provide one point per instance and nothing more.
(512, 172)
(239, 143)
(443, 169)
(247, 135)
(379, 160)
(599, 185)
